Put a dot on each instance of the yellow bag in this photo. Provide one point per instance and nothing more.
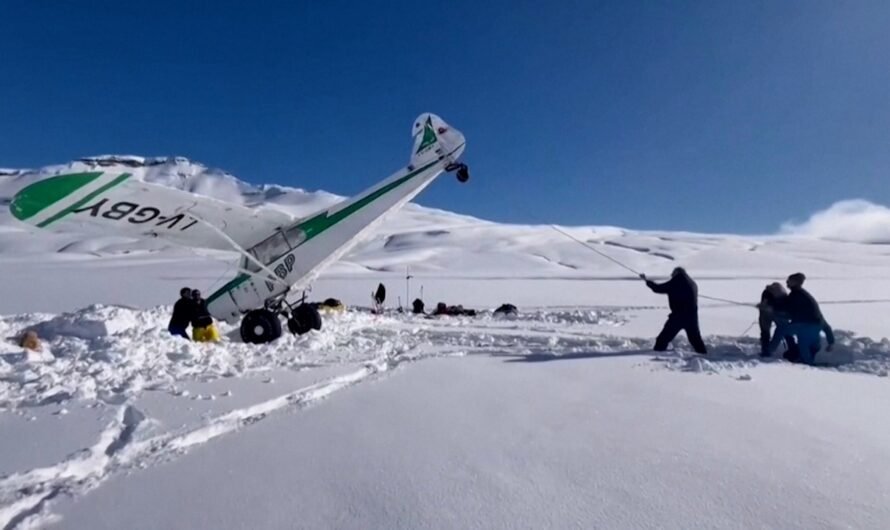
(339, 308)
(206, 334)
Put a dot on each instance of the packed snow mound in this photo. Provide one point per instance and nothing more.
(90, 324)
(855, 220)
(113, 354)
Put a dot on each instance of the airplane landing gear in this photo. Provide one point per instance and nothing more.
(462, 171)
(260, 326)
(303, 319)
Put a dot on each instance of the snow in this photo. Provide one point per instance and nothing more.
(854, 220)
(560, 416)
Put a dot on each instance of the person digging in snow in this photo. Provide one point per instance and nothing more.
(682, 293)
(805, 321)
(770, 300)
(183, 313)
(203, 328)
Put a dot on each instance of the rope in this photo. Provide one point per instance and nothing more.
(225, 272)
(603, 254)
(637, 273)
(733, 302)
(227, 261)
(751, 325)
(855, 302)
(484, 184)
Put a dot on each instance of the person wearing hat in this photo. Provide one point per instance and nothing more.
(805, 320)
(682, 293)
(183, 312)
(203, 328)
(769, 301)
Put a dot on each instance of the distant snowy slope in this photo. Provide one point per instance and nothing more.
(439, 243)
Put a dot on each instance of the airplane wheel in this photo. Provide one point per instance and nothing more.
(463, 174)
(260, 326)
(304, 319)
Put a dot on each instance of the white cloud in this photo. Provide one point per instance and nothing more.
(854, 220)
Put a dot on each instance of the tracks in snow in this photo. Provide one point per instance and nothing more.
(25, 497)
(26, 494)
(375, 343)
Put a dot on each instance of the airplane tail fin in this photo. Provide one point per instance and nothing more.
(435, 140)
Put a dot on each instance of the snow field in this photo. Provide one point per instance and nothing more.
(559, 417)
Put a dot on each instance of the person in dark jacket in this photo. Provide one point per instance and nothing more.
(682, 295)
(203, 328)
(805, 320)
(770, 299)
(183, 313)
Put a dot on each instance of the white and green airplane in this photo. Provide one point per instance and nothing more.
(280, 254)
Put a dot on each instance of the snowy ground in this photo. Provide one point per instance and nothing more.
(560, 417)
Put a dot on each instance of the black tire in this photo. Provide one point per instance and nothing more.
(463, 174)
(304, 319)
(260, 326)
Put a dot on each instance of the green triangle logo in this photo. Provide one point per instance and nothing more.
(429, 136)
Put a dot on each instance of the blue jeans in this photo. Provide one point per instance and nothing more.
(768, 345)
(829, 333)
(809, 340)
(179, 332)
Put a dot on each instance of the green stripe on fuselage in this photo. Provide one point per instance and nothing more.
(322, 222)
(230, 285)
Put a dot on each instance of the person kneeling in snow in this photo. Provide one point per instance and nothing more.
(203, 328)
(805, 321)
(183, 313)
(770, 301)
(682, 295)
(30, 341)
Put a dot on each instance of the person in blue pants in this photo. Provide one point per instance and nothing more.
(805, 320)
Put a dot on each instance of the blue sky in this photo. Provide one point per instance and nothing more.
(705, 116)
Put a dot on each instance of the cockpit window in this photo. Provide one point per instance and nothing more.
(271, 249)
(249, 265)
(295, 236)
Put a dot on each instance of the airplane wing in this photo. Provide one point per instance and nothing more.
(116, 203)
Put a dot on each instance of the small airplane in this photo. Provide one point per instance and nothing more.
(279, 254)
